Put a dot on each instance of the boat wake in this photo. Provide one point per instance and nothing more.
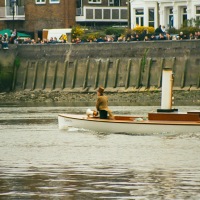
(167, 135)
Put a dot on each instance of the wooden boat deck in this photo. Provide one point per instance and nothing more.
(155, 118)
(175, 116)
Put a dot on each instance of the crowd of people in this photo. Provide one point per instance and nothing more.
(5, 39)
(159, 34)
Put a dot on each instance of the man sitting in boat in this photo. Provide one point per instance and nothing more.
(102, 105)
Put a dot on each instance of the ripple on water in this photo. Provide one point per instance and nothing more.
(37, 161)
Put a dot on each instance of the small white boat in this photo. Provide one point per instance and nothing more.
(134, 125)
(164, 120)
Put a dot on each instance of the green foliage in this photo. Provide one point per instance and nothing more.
(17, 62)
(188, 30)
(189, 26)
(85, 33)
(77, 31)
(114, 31)
(140, 29)
(185, 30)
(197, 23)
(5, 81)
(92, 35)
(191, 23)
(173, 31)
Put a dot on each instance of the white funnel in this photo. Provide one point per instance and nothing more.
(167, 85)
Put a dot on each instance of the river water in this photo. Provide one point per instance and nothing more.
(39, 161)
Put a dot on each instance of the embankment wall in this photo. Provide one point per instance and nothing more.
(124, 67)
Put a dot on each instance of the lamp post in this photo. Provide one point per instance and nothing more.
(12, 3)
(129, 18)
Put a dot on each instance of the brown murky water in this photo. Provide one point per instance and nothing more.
(38, 161)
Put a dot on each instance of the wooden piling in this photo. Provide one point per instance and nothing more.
(97, 74)
(64, 75)
(161, 69)
(128, 74)
(14, 77)
(139, 73)
(106, 73)
(25, 75)
(86, 73)
(74, 76)
(35, 76)
(45, 75)
(116, 72)
(148, 72)
(183, 76)
(55, 75)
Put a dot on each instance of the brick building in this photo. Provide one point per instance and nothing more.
(11, 14)
(35, 15)
(32, 16)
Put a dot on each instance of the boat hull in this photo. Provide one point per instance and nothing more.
(131, 126)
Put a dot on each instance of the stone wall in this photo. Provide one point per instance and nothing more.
(124, 67)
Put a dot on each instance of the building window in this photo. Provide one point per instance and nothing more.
(184, 15)
(94, 1)
(151, 17)
(139, 17)
(40, 1)
(198, 13)
(198, 10)
(114, 2)
(171, 18)
(111, 3)
(54, 1)
(79, 7)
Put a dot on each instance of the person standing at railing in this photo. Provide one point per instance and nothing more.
(1, 37)
(13, 36)
(5, 41)
(159, 30)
